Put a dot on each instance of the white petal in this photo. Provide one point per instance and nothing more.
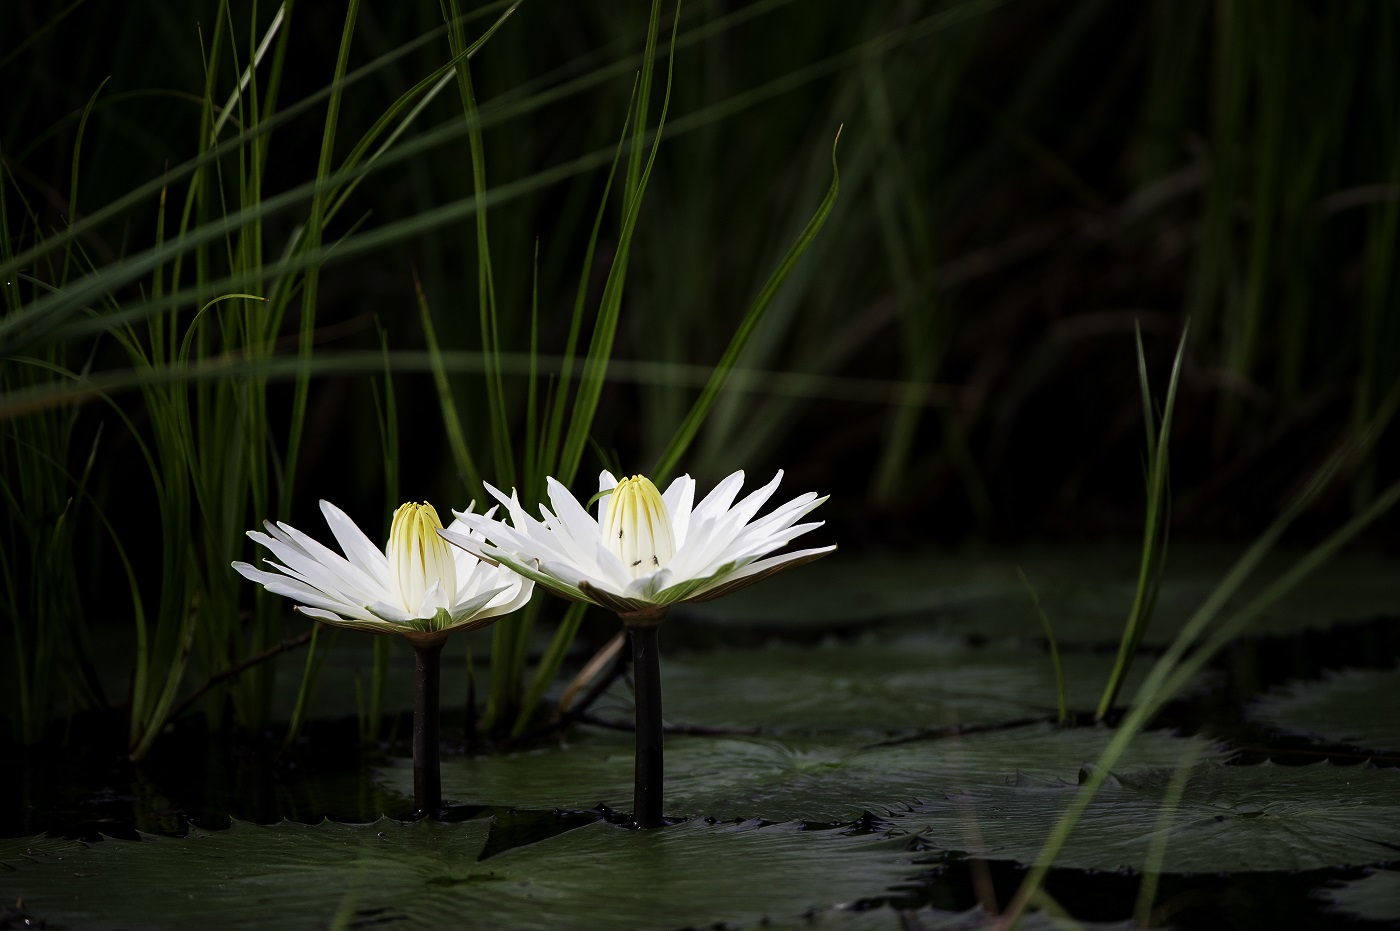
(301, 566)
(728, 527)
(372, 624)
(475, 607)
(299, 591)
(320, 615)
(574, 518)
(322, 566)
(512, 598)
(718, 501)
(358, 548)
(387, 612)
(680, 501)
(646, 587)
(330, 558)
(469, 543)
(747, 508)
(763, 564)
(561, 542)
(606, 483)
(433, 599)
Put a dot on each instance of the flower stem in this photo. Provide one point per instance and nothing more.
(427, 775)
(649, 771)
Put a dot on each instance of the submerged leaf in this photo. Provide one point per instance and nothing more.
(1230, 819)
(1341, 709)
(15, 851)
(935, 919)
(1086, 590)
(872, 687)
(831, 779)
(427, 875)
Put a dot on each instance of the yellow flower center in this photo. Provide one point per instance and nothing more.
(418, 557)
(637, 527)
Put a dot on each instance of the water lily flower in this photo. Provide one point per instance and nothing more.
(645, 550)
(416, 586)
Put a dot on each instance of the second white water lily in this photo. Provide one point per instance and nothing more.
(645, 550)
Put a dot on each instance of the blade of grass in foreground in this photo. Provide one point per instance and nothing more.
(1174, 669)
(1155, 527)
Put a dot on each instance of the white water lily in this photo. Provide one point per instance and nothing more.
(645, 550)
(416, 586)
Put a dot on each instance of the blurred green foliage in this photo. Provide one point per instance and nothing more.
(1022, 184)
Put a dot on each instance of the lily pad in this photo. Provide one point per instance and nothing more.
(871, 686)
(15, 851)
(1230, 819)
(886, 918)
(1373, 898)
(825, 780)
(427, 875)
(1340, 709)
(1087, 591)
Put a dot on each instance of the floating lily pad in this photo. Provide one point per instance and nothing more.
(871, 686)
(427, 875)
(15, 851)
(1340, 709)
(826, 780)
(1230, 819)
(1373, 898)
(932, 919)
(1087, 591)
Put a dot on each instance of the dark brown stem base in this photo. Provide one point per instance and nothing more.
(427, 773)
(650, 770)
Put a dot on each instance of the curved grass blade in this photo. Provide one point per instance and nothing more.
(690, 426)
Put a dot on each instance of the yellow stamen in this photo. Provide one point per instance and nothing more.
(418, 557)
(637, 526)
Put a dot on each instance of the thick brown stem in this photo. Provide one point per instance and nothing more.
(427, 774)
(649, 772)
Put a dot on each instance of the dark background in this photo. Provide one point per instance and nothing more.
(1023, 183)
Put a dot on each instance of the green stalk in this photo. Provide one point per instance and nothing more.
(427, 770)
(649, 767)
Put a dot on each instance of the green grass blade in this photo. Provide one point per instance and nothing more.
(452, 422)
(485, 275)
(549, 665)
(605, 327)
(1155, 529)
(1062, 700)
(690, 426)
(312, 237)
